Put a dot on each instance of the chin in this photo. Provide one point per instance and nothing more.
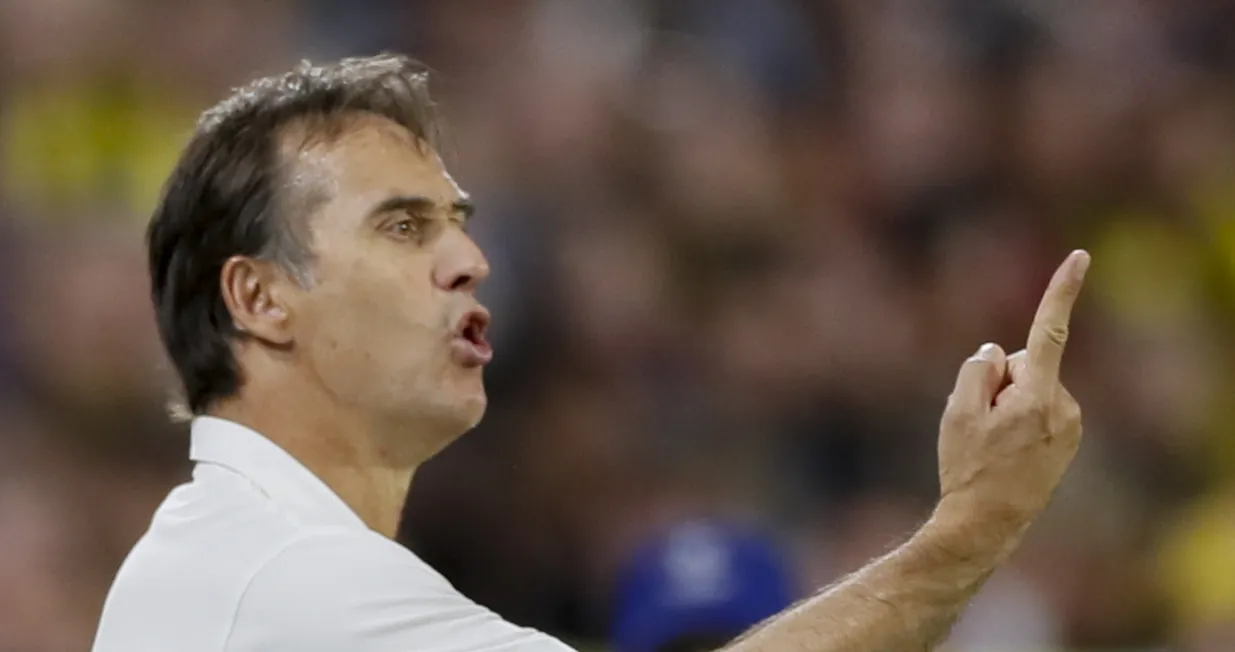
(460, 414)
(446, 410)
(468, 401)
(448, 423)
(472, 411)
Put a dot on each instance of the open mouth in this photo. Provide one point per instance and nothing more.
(472, 347)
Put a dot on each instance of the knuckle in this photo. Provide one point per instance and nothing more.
(1057, 333)
(1041, 418)
(1036, 411)
(1066, 402)
(1072, 413)
(954, 410)
(957, 416)
(1064, 416)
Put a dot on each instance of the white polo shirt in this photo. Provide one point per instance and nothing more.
(257, 553)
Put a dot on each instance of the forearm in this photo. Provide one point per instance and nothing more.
(907, 600)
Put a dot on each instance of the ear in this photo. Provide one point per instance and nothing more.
(255, 294)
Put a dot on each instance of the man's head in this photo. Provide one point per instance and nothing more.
(310, 237)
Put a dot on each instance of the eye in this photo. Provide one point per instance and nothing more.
(406, 228)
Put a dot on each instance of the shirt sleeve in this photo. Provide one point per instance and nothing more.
(361, 593)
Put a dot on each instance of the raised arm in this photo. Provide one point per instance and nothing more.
(1009, 432)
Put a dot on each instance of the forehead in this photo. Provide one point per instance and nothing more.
(369, 160)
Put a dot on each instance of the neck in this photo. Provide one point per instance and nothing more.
(338, 446)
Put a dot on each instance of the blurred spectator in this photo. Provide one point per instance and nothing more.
(1198, 573)
(696, 588)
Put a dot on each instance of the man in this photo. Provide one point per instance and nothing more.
(696, 587)
(314, 287)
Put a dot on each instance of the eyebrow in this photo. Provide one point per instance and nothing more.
(421, 204)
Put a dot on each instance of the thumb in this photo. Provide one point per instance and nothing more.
(980, 379)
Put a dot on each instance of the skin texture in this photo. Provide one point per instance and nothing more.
(356, 373)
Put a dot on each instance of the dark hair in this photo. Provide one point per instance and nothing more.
(224, 199)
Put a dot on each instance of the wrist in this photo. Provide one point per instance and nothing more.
(968, 528)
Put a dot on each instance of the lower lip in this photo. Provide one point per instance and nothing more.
(471, 354)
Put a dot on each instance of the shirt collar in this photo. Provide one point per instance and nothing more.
(273, 470)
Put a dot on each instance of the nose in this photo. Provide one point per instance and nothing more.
(460, 265)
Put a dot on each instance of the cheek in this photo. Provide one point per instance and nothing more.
(376, 327)
(376, 292)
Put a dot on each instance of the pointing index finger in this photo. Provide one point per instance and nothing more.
(1049, 334)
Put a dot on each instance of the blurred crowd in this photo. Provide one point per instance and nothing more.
(740, 248)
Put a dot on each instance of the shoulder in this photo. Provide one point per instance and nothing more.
(343, 560)
(357, 590)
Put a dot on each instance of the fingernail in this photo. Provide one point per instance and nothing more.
(1082, 265)
(987, 351)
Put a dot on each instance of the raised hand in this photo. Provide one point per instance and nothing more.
(1009, 432)
(1011, 429)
